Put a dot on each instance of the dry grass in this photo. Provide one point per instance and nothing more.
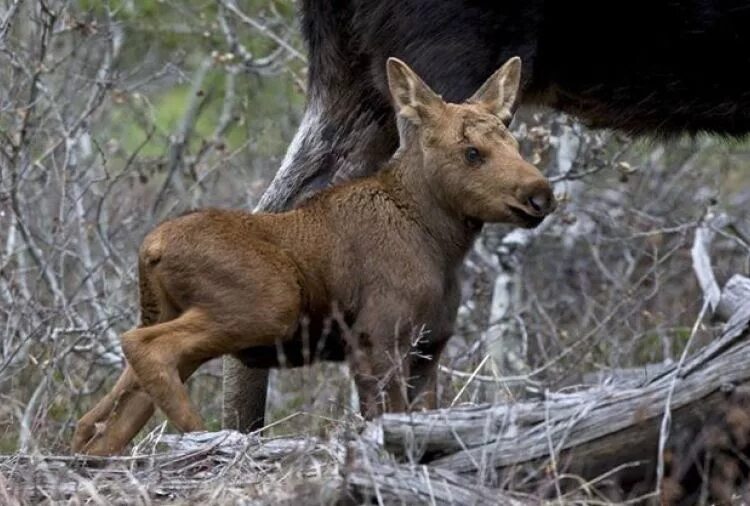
(225, 468)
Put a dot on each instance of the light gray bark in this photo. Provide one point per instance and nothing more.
(594, 430)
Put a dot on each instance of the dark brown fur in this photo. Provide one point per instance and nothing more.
(367, 270)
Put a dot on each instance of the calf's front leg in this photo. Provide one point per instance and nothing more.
(378, 355)
(423, 371)
(380, 385)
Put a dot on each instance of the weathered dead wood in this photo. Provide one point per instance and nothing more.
(355, 470)
(588, 432)
(624, 377)
(373, 474)
(704, 236)
(229, 467)
(736, 293)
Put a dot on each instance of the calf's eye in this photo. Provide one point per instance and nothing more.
(472, 156)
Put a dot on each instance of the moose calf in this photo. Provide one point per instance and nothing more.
(367, 271)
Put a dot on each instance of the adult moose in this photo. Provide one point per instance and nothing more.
(646, 66)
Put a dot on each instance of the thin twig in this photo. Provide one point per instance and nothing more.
(667, 418)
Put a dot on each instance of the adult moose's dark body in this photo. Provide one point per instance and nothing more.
(657, 67)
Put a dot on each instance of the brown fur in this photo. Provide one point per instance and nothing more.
(367, 270)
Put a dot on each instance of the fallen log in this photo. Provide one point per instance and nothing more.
(590, 432)
(374, 475)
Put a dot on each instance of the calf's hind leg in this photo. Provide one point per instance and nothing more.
(121, 414)
(115, 420)
(163, 356)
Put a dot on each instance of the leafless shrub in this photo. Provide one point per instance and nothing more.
(90, 163)
(94, 153)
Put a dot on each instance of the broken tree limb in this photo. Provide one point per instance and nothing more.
(361, 470)
(736, 294)
(371, 474)
(593, 430)
(704, 236)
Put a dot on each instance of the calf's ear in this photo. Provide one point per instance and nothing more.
(499, 93)
(412, 98)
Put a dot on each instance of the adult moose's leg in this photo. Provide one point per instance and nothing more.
(245, 389)
(115, 420)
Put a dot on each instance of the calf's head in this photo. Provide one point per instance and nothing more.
(470, 160)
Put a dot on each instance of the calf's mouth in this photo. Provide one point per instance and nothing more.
(526, 219)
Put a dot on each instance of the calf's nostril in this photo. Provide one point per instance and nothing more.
(539, 202)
